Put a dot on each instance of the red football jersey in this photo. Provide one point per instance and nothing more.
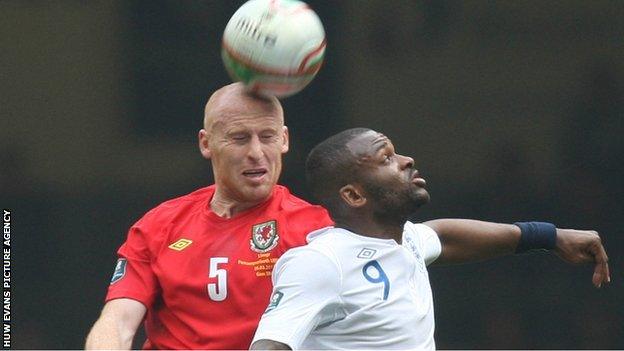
(206, 280)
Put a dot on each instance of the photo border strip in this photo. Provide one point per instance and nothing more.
(6, 281)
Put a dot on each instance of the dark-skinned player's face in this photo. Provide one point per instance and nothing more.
(392, 185)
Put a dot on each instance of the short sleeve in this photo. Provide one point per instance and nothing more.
(306, 294)
(427, 239)
(133, 276)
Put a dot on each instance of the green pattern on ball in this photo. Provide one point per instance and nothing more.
(317, 60)
(238, 71)
(291, 3)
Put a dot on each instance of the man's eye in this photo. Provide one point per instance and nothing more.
(388, 158)
(239, 137)
(267, 136)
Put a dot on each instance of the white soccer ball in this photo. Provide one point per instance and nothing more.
(275, 47)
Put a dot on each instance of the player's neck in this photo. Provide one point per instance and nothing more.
(226, 207)
(373, 229)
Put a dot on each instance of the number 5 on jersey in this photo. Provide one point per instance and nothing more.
(217, 291)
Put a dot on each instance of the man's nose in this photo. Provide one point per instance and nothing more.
(407, 162)
(255, 148)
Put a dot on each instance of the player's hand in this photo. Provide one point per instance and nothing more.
(584, 246)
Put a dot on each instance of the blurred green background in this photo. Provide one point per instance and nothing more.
(513, 111)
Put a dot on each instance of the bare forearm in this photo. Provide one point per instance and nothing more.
(465, 240)
(118, 323)
(105, 335)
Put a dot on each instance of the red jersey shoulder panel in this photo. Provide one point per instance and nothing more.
(155, 222)
(135, 278)
(300, 218)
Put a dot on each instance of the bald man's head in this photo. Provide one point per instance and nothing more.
(244, 137)
(233, 100)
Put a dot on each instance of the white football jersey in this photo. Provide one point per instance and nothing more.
(347, 291)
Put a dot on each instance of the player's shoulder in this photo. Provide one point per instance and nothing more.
(318, 243)
(415, 226)
(329, 251)
(181, 205)
(325, 236)
(298, 210)
(314, 253)
(418, 229)
(422, 238)
(316, 269)
(330, 242)
(289, 201)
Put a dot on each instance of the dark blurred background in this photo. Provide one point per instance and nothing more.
(513, 111)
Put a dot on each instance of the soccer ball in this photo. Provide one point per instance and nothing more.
(275, 47)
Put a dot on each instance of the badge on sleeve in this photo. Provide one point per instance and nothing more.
(120, 270)
(275, 300)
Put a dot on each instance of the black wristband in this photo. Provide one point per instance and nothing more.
(536, 235)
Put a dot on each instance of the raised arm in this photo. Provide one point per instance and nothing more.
(465, 240)
(117, 325)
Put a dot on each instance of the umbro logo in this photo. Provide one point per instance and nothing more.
(181, 244)
(367, 253)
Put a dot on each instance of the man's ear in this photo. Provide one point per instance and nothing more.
(204, 143)
(353, 195)
(285, 141)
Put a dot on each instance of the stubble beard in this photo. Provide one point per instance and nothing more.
(393, 206)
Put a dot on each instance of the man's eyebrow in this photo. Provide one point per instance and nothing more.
(380, 143)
